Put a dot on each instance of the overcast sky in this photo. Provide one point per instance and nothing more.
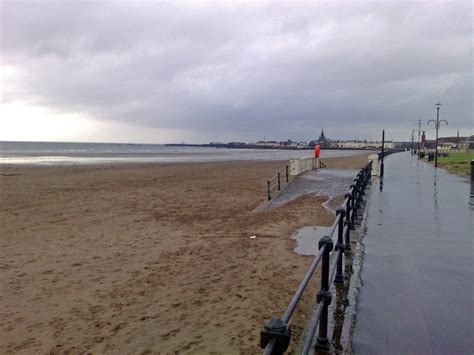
(197, 72)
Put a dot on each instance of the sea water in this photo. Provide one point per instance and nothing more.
(57, 153)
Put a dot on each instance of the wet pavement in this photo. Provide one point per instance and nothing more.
(327, 182)
(417, 274)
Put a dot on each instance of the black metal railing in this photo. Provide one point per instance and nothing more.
(275, 182)
(276, 334)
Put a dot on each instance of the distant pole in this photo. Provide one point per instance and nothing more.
(471, 199)
(419, 136)
(437, 128)
(472, 171)
(381, 159)
(437, 125)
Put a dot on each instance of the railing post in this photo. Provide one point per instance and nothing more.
(353, 205)
(382, 154)
(363, 181)
(358, 196)
(362, 184)
(279, 185)
(268, 191)
(287, 174)
(361, 177)
(347, 237)
(341, 212)
(322, 343)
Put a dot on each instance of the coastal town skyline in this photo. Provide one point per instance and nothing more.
(291, 142)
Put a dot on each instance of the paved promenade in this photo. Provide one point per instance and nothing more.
(417, 275)
(328, 182)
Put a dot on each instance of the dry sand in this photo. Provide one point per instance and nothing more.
(133, 259)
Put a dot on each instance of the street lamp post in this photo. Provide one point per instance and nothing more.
(437, 125)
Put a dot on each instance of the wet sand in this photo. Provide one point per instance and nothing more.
(123, 259)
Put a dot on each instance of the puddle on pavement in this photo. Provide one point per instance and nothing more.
(327, 182)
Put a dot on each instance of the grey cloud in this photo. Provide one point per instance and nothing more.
(245, 70)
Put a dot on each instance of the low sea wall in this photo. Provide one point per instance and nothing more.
(300, 165)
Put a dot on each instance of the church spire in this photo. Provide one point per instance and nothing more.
(322, 137)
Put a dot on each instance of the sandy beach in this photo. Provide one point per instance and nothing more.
(148, 258)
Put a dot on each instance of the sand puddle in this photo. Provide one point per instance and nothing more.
(307, 239)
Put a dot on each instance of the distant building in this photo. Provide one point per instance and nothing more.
(427, 144)
(453, 142)
(467, 144)
(288, 144)
(292, 144)
(267, 144)
(402, 145)
(453, 139)
(301, 145)
(360, 144)
(322, 141)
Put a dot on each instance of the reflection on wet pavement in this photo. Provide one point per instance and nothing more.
(418, 267)
(471, 199)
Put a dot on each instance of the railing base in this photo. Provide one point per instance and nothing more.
(322, 345)
(339, 279)
(276, 331)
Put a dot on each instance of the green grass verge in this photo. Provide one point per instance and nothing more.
(457, 163)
